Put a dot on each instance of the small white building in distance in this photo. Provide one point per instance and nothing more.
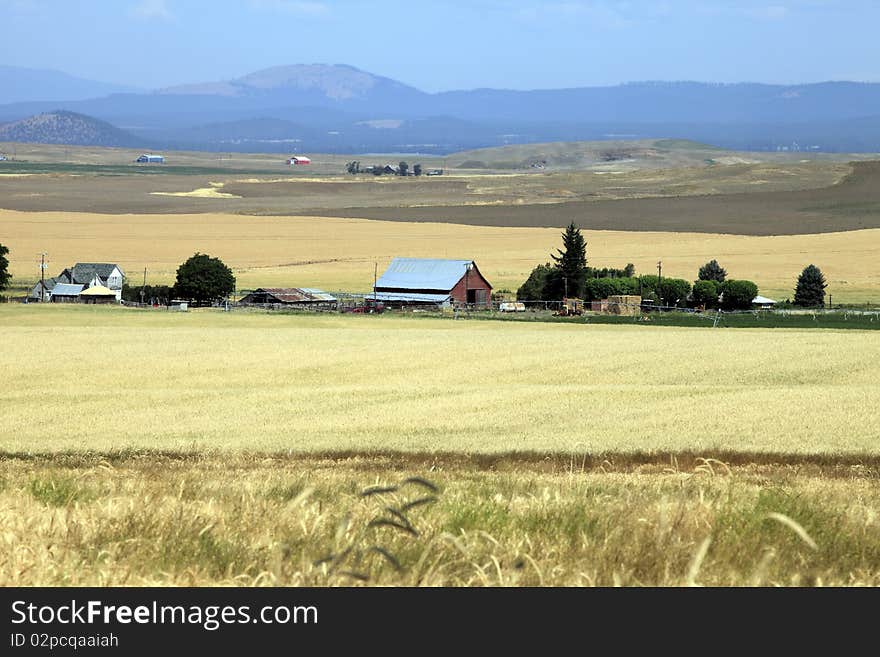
(763, 303)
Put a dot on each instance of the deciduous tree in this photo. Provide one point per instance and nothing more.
(204, 279)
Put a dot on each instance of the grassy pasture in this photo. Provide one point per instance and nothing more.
(152, 519)
(338, 254)
(98, 378)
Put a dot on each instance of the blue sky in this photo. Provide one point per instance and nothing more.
(519, 44)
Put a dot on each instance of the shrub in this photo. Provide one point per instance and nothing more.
(533, 288)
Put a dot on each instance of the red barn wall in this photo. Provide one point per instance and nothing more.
(475, 281)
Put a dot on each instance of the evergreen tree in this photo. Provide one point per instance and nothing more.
(810, 290)
(712, 271)
(570, 269)
(402, 169)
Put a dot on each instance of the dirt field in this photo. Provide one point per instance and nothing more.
(852, 204)
(339, 254)
(666, 190)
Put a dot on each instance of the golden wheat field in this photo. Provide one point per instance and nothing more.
(242, 520)
(340, 254)
(99, 378)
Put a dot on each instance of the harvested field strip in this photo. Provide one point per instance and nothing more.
(862, 466)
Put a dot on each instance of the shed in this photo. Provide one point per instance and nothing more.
(151, 158)
(425, 281)
(290, 296)
(763, 303)
(299, 160)
(98, 294)
(46, 286)
(66, 293)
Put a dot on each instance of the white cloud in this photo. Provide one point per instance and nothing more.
(152, 10)
(306, 7)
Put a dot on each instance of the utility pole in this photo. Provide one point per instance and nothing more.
(143, 286)
(42, 277)
(565, 279)
(659, 278)
(375, 282)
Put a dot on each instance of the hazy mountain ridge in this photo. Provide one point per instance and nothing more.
(26, 84)
(339, 108)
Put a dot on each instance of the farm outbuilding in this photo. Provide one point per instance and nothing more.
(763, 303)
(290, 296)
(423, 281)
(98, 294)
(299, 160)
(66, 293)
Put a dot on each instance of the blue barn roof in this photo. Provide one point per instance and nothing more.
(423, 274)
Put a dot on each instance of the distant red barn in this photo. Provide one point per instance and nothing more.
(299, 159)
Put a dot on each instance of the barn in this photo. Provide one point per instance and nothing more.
(299, 160)
(308, 297)
(423, 281)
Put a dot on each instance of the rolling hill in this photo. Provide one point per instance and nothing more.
(62, 127)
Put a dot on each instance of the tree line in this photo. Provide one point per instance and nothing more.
(402, 169)
(568, 275)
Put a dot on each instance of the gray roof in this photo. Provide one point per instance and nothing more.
(423, 274)
(290, 295)
(48, 283)
(67, 290)
(83, 272)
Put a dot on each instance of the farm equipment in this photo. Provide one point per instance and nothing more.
(570, 308)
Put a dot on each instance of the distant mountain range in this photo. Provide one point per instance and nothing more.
(334, 108)
(18, 85)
